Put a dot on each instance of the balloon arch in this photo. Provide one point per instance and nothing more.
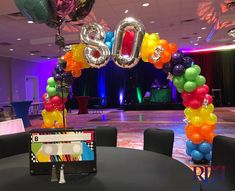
(127, 45)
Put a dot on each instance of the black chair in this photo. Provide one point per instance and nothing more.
(14, 144)
(106, 136)
(159, 141)
(222, 165)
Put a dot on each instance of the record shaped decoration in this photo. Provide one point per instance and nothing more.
(74, 149)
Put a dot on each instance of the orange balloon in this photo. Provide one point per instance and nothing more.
(150, 59)
(209, 138)
(165, 57)
(190, 130)
(213, 127)
(196, 138)
(164, 44)
(205, 130)
(69, 66)
(68, 56)
(76, 73)
(173, 47)
(158, 65)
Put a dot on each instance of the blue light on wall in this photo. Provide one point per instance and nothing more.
(121, 94)
(101, 85)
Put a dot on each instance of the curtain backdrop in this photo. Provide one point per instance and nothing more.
(113, 82)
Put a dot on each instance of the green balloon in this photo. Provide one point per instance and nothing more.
(190, 86)
(36, 10)
(197, 68)
(51, 82)
(180, 90)
(200, 80)
(51, 91)
(190, 74)
(178, 81)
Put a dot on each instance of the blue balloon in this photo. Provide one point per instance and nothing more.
(208, 156)
(204, 147)
(112, 40)
(197, 155)
(109, 36)
(190, 145)
(188, 152)
(109, 44)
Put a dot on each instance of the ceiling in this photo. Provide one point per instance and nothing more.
(178, 21)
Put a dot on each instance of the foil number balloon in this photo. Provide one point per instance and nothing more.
(95, 43)
(126, 61)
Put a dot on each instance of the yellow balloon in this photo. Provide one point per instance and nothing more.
(154, 37)
(210, 108)
(204, 112)
(196, 121)
(189, 112)
(212, 119)
(44, 112)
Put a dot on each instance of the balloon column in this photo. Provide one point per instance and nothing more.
(58, 86)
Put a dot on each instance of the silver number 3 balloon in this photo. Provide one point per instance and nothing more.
(93, 34)
(125, 61)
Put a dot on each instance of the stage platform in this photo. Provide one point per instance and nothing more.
(153, 106)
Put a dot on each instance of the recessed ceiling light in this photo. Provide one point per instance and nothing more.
(199, 37)
(234, 40)
(49, 44)
(11, 49)
(30, 22)
(18, 39)
(195, 44)
(48, 58)
(32, 54)
(152, 22)
(203, 28)
(126, 11)
(145, 4)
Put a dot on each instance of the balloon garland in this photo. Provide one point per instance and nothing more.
(127, 45)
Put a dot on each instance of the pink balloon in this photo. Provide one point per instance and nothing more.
(65, 7)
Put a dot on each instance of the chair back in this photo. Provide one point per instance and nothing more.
(14, 144)
(223, 159)
(159, 141)
(106, 136)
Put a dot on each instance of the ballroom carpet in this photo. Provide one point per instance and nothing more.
(131, 124)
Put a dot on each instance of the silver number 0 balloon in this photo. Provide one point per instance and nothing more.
(95, 44)
(123, 60)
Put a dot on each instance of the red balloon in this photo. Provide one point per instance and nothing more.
(48, 106)
(186, 96)
(200, 93)
(60, 107)
(45, 97)
(56, 100)
(209, 98)
(127, 42)
(206, 87)
(186, 103)
(194, 103)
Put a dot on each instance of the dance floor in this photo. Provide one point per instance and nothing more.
(131, 125)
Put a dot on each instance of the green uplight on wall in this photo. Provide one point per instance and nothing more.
(138, 93)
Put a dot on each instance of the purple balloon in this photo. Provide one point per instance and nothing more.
(187, 62)
(177, 57)
(178, 70)
(168, 67)
(65, 7)
(57, 77)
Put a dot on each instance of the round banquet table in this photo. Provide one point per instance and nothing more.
(118, 169)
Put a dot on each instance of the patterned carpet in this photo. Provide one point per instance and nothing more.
(131, 125)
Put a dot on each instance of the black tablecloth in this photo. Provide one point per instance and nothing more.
(117, 169)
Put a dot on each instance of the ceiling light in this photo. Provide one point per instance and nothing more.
(203, 28)
(11, 49)
(32, 54)
(18, 39)
(232, 32)
(30, 22)
(199, 37)
(48, 58)
(49, 44)
(152, 22)
(145, 4)
(195, 44)
(234, 40)
(126, 11)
